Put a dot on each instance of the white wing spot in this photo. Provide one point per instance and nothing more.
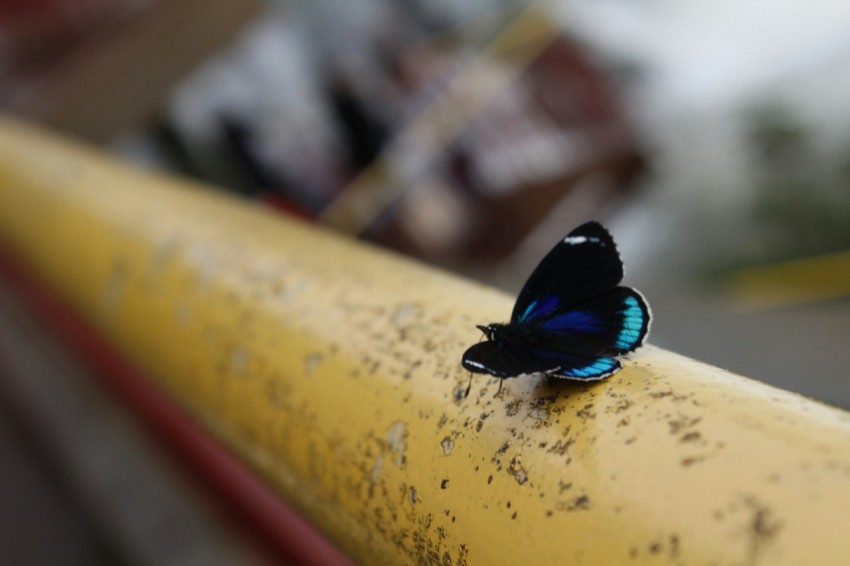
(574, 240)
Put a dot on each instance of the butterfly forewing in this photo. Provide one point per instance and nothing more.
(584, 263)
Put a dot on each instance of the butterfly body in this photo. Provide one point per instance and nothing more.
(571, 320)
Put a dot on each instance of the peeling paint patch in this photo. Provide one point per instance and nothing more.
(461, 392)
(681, 423)
(404, 314)
(376, 468)
(674, 546)
(669, 393)
(561, 447)
(691, 460)
(763, 526)
(409, 373)
(512, 407)
(517, 470)
(620, 406)
(539, 414)
(448, 445)
(690, 437)
(586, 412)
(396, 437)
(580, 503)
(480, 424)
(670, 547)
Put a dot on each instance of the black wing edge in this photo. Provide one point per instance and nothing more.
(647, 324)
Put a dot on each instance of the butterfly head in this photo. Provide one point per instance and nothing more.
(491, 331)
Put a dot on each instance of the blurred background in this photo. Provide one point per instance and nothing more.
(712, 139)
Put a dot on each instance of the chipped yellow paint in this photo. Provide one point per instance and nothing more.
(333, 368)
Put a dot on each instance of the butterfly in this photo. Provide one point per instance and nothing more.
(572, 319)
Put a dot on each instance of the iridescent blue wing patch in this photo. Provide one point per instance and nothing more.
(600, 368)
(540, 308)
(612, 323)
(571, 319)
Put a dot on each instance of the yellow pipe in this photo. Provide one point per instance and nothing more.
(790, 283)
(331, 368)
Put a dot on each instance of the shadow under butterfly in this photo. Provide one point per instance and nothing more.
(572, 320)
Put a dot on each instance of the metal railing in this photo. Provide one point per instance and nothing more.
(332, 370)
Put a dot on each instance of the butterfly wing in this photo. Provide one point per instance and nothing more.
(583, 264)
(608, 324)
(520, 359)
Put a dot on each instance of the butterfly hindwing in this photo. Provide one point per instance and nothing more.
(612, 323)
(597, 369)
(584, 263)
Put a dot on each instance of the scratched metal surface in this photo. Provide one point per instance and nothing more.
(331, 368)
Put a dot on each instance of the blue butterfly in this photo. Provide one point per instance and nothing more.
(571, 320)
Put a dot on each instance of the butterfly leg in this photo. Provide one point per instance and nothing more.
(460, 394)
(501, 382)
